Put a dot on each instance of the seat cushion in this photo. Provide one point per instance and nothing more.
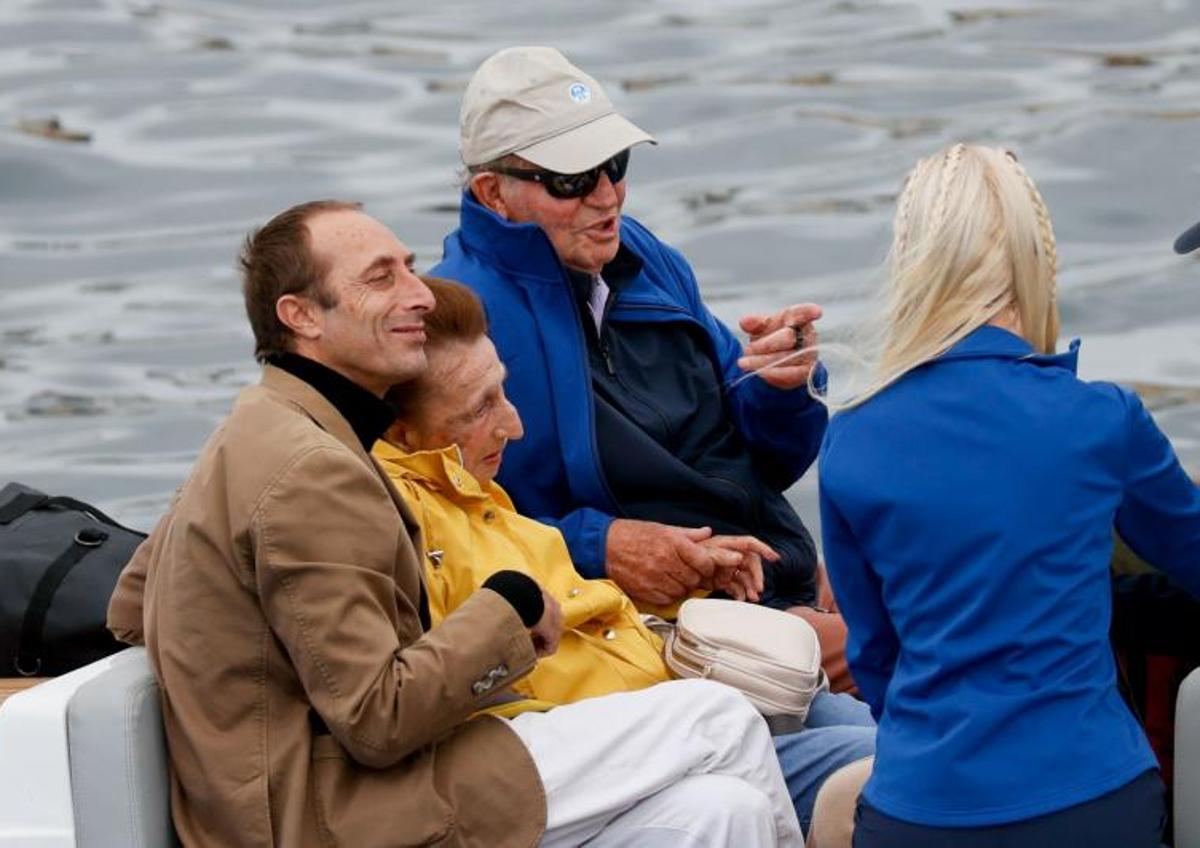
(119, 781)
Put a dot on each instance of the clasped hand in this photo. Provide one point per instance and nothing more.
(661, 563)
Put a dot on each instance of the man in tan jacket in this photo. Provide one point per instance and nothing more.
(306, 699)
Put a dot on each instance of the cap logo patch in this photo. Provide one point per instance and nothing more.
(580, 93)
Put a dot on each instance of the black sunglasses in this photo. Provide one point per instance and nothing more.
(571, 186)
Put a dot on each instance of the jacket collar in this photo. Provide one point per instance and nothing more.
(438, 471)
(521, 249)
(524, 250)
(315, 405)
(989, 342)
(367, 414)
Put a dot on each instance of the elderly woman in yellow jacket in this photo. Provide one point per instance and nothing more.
(442, 453)
(471, 531)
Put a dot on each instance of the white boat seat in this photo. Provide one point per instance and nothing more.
(119, 781)
(1187, 763)
(83, 761)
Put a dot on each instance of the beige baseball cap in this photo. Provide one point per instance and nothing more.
(533, 102)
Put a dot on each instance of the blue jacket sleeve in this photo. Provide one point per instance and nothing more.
(1159, 517)
(786, 425)
(872, 645)
(586, 533)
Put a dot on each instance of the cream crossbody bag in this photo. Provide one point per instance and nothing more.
(772, 656)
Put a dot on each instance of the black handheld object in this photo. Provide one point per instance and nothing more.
(1189, 241)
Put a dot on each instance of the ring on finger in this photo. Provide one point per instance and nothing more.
(798, 332)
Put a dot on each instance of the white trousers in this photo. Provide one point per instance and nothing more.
(684, 763)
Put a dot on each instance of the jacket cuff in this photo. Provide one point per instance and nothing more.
(586, 535)
(521, 591)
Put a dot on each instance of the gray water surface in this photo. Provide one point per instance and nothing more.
(784, 128)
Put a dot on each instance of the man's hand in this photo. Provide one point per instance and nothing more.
(773, 337)
(660, 563)
(548, 630)
(743, 582)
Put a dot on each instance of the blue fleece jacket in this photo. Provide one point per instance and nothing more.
(554, 472)
(967, 513)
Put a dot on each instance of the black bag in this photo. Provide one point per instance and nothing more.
(59, 562)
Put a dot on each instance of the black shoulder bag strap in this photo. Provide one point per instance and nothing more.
(80, 506)
(20, 504)
(28, 661)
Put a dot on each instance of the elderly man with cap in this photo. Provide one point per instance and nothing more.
(663, 469)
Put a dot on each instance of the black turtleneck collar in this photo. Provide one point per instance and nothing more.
(368, 415)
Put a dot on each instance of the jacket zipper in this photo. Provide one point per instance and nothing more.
(633, 393)
(601, 335)
(749, 503)
(595, 451)
(606, 353)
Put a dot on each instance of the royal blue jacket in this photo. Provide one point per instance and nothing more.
(554, 472)
(967, 514)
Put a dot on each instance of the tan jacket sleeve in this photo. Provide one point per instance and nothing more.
(125, 607)
(126, 604)
(325, 537)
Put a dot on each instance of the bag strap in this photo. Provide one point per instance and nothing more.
(20, 504)
(28, 660)
(23, 502)
(71, 503)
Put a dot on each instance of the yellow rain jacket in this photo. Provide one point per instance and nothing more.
(471, 532)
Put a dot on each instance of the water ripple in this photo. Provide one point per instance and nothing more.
(141, 139)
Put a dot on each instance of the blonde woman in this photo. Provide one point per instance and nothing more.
(968, 496)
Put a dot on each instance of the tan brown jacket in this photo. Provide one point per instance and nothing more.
(279, 597)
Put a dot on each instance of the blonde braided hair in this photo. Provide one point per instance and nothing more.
(972, 239)
(1040, 319)
(1045, 227)
(900, 223)
(950, 162)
